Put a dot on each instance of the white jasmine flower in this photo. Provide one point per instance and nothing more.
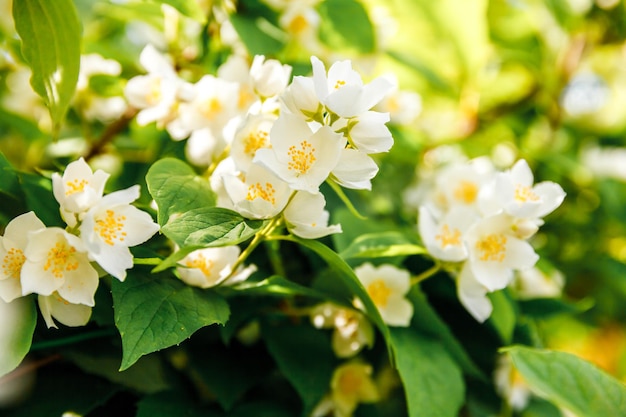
(473, 295)
(236, 69)
(300, 97)
(444, 238)
(403, 106)
(343, 92)
(208, 267)
(214, 104)
(269, 77)
(203, 147)
(305, 216)
(157, 93)
(69, 314)
(112, 226)
(252, 135)
(510, 384)
(78, 189)
(225, 168)
(301, 21)
(460, 184)
(352, 331)
(514, 193)
(387, 287)
(95, 64)
(261, 196)
(12, 247)
(58, 261)
(494, 252)
(355, 170)
(370, 134)
(299, 156)
(534, 283)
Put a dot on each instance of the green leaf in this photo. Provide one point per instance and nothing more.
(380, 245)
(51, 35)
(189, 8)
(426, 320)
(39, 198)
(19, 320)
(177, 189)
(432, 381)
(153, 312)
(259, 35)
(548, 307)
(303, 354)
(348, 278)
(570, 382)
(346, 23)
(210, 226)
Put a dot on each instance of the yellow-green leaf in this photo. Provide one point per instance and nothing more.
(51, 37)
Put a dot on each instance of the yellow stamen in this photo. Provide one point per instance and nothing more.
(12, 263)
(301, 159)
(524, 193)
(466, 192)
(110, 227)
(449, 237)
(492, 248)
(75, 186)
(379, 292)
(259, 191)
(201, 263)
(255, 141)
(60, 260)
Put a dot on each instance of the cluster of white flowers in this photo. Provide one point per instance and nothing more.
(274, 143)
(478, 222)
(56, 263)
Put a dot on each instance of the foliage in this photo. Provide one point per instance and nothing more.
(403, 208)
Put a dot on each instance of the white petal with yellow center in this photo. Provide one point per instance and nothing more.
(12, 257)
(112, 226)
(57, 261)
(79, 188)
(387, 287)
(55, 307)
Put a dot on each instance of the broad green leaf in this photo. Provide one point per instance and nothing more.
(153, 312)
(259, 35)
(427, 321)
(18, 318)
(346, 23)
(303, 354)
(177, 189)
(570, 382)
(348, 278)
(432, 381)
(189, 8)
(51, 37)
(39, 198)
(380, 245)
(210, 226)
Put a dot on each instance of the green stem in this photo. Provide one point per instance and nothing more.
(73, 339)
(339, 191)
(426, 274)
(256, 241)
(147, 261)
(273, 253)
